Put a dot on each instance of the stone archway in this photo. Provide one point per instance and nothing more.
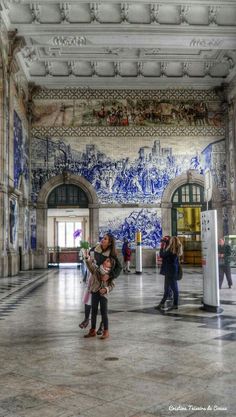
(189, 177)
(41, 208)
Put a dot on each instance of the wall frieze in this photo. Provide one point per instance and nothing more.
(118, 131)
(87, 93)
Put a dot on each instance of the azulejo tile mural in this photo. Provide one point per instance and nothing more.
(125, 222)
(129, 145)
(126, 112)
(21, 152)
(125, 172)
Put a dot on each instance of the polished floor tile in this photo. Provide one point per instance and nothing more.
(172, 363)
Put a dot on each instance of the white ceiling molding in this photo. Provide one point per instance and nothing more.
(135, 44)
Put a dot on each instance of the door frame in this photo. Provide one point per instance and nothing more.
(42, 207)
(189, 177)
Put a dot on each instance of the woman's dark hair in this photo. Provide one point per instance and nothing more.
(113, 262)
(112, 245)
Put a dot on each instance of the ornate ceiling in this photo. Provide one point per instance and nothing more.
(136, 44)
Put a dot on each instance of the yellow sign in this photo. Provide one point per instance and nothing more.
(138, 237)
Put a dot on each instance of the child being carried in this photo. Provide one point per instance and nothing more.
(100, 285)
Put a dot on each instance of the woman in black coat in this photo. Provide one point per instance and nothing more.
(170, 258)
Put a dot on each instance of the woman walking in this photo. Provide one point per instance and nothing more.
(171, 257)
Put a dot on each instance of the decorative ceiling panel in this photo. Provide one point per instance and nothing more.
(77, 13)
(151, 69)
(37, 69)
(168, 14)
(82, 69)
(105, 69)
(128, 69)
(137, 13)
(107, 13)
(219, 70)
(195, 69)
(20, 13)
(111, 44)
(198, 15)
(173, 69)
(226, 16)
(50, 13)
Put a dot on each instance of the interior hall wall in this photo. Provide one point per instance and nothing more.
(4, 152)
(129, 145)
(18, 169)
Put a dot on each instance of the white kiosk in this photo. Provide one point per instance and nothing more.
(209, 235)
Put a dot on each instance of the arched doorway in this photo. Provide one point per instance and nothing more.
(68, 221)
(187, 204)
(58, 191)
(183, 200)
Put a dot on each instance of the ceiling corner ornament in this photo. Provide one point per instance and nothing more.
(154, 12)
(65, 11)
(29, 54)
(35, 10)
(124, 12)
(184, 14)
(207, 68)
(205, 43)
(213, 10)
(186, 67)
(68, 40)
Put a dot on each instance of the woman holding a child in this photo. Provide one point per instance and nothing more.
(104, 267)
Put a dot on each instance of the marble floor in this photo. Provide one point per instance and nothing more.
(177, 363)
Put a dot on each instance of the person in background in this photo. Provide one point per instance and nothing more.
(224, 255)
(164, 244)
(127, 257)
(170, 257)
(82, 265)
(125, 241)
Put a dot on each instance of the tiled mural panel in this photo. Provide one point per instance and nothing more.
(21, 153)
(129, 145)
(13, 223)
(214, 158)
(126, 171)
(125, 222)
(33, 229)
(126, 112)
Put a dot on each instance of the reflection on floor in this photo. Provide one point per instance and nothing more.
(176, 363)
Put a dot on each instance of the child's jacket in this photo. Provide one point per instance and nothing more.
(96, 281)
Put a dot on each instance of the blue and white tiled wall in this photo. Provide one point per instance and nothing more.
(127, 172)
(125, 222)
(21, 153)
(21, 173)
(126, 162)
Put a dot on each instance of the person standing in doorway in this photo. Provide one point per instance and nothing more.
(224, 255)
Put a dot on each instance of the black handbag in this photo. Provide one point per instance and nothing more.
(180, 272)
